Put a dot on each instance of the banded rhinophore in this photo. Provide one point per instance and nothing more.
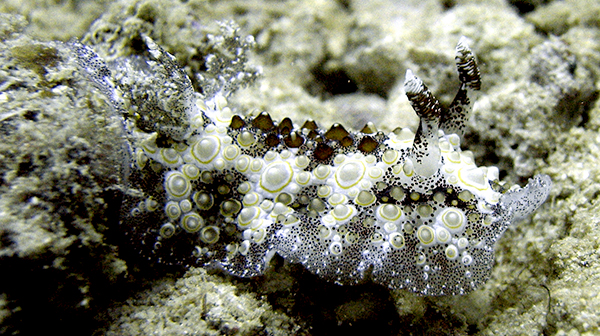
(407, 210)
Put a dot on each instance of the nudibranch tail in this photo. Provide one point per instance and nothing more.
(96, 71)
(230, 191)
(426, 150)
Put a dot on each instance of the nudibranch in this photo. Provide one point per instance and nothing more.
(220, 189)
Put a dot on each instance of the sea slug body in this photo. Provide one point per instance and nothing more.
(406, 210)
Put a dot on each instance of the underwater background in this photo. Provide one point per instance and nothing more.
(64, 262)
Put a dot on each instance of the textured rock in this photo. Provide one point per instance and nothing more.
(197, 304)
(62, 160)
(552, 248)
